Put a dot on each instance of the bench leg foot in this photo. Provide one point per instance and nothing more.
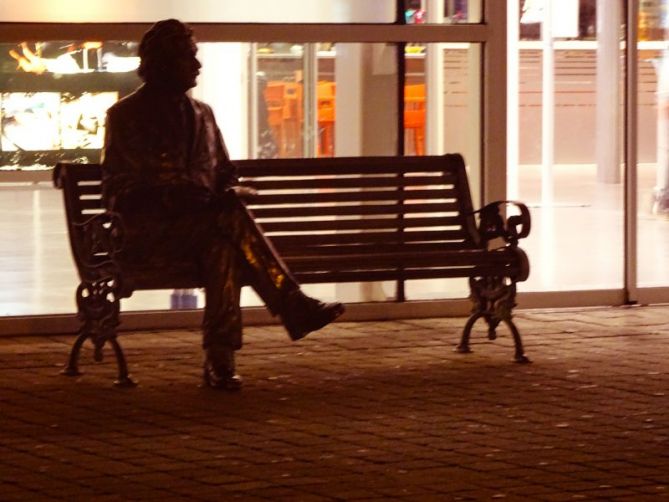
(519, 356)
(72, 366)
(126, 382)
(463, 347)
(71, 371)
(124, 379)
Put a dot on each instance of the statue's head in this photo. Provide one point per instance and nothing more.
(167, 56)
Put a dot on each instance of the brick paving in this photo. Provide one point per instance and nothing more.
(359, 411)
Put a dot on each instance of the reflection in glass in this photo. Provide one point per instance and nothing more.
(653, 146)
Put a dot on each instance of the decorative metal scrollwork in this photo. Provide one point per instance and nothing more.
(493, 299)
(100, 237)
(99, 306)
(493, 225)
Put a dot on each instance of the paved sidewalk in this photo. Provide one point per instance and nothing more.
(359, 411)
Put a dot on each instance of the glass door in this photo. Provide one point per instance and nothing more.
(588, 146)
(652, 149)
(565, 137)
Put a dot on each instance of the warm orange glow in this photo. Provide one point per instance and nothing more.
(28, 61)
(31, 61)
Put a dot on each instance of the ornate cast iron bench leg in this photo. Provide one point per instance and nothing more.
(98, 307)
(72, 366)
(493, 300)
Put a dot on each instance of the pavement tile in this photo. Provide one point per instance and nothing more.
(361, 411)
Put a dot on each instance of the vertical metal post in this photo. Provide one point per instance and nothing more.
(310, 137)
(609, 16)
(401, 79)
(513, 102)
(631, 136)
(401, 82)
(399, 12)
(485, 131)
(547, 106)
(400, 290)
(493, 109)
(434, 80)
(253, 102)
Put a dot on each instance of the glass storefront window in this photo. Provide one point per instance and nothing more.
(334, 100)
(210, 11)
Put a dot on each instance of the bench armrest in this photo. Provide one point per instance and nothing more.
(100, 239)
(493, 225)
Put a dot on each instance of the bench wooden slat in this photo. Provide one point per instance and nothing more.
(342, 166)
(444, 259)
(359, 224)
(261, 213)
(394, 274)
(355, 196)
(88, 212)
(333, 183)
(85, 204)
(93, 189)
(368, 251)
(285, 242)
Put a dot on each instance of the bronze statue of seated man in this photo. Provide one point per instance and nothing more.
(166, 170)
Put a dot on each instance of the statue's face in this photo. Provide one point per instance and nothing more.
(182, 66)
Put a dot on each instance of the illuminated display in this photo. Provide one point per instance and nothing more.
(54, 96)
(37, 121)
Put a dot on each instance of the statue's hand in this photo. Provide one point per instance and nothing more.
(244, 192)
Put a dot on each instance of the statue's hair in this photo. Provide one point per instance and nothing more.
(158, 44)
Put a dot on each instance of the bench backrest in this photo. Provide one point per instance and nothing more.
(358, 203)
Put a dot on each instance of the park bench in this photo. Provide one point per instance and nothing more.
(333, 220)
